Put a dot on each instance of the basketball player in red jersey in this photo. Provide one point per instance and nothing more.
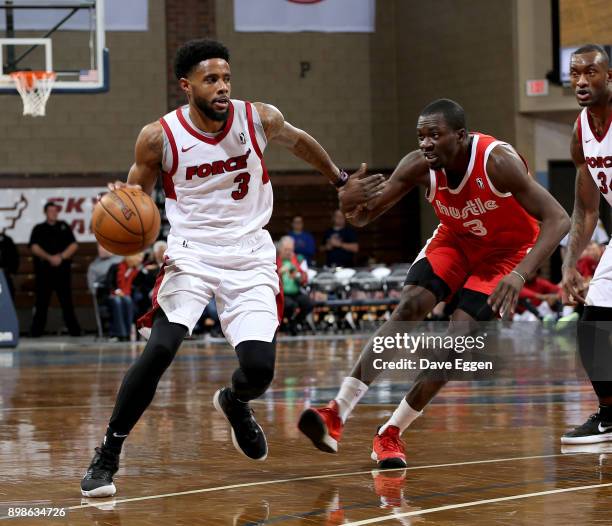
(591, 149)
(487, 243)
(218, 201)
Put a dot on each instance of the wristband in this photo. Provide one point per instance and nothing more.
(343, 178)
(519, 275)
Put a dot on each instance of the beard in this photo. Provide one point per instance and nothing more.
(206, 108)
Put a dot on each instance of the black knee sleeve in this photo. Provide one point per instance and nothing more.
(140, 382)
(595, 348)
(256, 370)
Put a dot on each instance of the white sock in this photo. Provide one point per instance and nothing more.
(349, 395)
(401, 418)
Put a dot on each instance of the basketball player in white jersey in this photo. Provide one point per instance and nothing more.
(591, 150)
(218, 201)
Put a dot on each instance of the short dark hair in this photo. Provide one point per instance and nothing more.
(49, 204)
(195, 51)
(453, 113)
(593, 48)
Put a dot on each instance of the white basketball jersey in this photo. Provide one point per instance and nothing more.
(597, 153)
(217, 187)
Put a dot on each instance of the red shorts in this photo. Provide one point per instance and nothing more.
(464, 264)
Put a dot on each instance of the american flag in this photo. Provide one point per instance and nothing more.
(88, 75)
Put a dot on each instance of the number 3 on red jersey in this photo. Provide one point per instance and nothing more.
(476, 227)
(243, 186)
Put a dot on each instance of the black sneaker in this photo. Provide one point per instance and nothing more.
(98, 481)
(592, 431)
(247, 435)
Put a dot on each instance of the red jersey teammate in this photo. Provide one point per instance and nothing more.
(218, 201)
(487, 242)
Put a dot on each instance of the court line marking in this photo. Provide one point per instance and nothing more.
(396, 516)
(282, 402)
(318, 477)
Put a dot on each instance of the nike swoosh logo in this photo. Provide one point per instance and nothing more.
(588, 140)
(183, 149)
(603, 429)
(123, 436)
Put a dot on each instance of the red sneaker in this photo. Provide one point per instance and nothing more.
(323, 426)
(388, 449)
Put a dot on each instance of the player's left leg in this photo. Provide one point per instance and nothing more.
(249, 315)
(250, 380)
(388, 449)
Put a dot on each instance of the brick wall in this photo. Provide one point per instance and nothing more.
(185, 20)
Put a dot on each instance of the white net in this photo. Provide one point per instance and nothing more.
(35, 88)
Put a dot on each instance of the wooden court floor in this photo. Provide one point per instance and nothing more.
(482, 454)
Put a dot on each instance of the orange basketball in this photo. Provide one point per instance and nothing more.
(125, 221)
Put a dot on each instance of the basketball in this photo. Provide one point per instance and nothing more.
(125, 221)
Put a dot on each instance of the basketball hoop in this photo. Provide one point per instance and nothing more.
(35, 89)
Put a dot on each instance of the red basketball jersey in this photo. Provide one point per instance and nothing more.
(476, 211)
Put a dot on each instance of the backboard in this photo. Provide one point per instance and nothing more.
(64, 36)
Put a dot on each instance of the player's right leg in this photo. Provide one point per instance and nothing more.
(135, 395)
(388, 449)
(422, 291)
(595, 349)
(183, 289)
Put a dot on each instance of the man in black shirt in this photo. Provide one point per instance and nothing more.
(53, 245)
(340, 242)
(9, 260)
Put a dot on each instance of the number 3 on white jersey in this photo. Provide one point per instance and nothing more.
(476, 227)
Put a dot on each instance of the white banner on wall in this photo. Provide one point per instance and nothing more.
(119, 15)
(286, 16)
(22, 208)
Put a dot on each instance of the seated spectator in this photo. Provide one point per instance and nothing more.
(340, 242)
(9, 260)
(122, 279)
(589, 259)
(304, 242)
(143, 290)
(293, 277)
(543, 296)
(209, 319)
(159, 252)
(98, 268)
(600, 237)
(212, 313)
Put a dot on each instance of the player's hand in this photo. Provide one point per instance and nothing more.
(505, 296)
(573, 286)
(360, 189)
(120, 184)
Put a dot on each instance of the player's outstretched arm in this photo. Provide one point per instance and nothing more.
(148, 154)
(584, 221)
(302, 145)
(412, 170)
(508, 173)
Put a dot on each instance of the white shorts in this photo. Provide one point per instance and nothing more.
(242, 279)
(600, 288)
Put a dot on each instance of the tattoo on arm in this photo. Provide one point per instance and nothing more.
(582, 225)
